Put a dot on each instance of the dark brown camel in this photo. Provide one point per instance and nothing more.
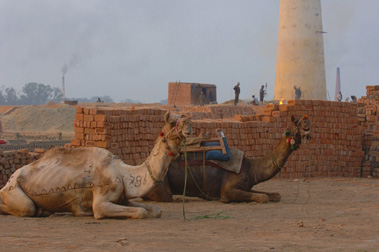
(226, 186)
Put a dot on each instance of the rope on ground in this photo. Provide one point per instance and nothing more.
(186, 169)
(308, 180)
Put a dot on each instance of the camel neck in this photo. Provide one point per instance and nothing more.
(280, 153)
(266, 167)
(141, 179)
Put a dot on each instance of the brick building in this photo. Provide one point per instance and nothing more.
(184, 93)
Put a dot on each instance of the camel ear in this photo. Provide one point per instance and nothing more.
(167, 116)
(292, 118)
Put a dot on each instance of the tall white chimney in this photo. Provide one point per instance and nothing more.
(300, 52)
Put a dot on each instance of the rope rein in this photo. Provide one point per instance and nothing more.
(186, 169)
(171, 153)
(275, 163)
(156, 181)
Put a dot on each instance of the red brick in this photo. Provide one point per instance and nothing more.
(272, 106)
(39, 150)
(79, 117)
(75, 142)
(283, 107)
(90, 143)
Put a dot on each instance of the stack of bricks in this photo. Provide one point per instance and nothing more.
(335, 148)
(214, 111)
(336, 145)
(10, 161)
(369, 120)
(128, 133)
(220, 112)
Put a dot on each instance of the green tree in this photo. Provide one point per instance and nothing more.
(57, 95)
(2, 98)
(107, 99)
(36, 94)
(11, 97)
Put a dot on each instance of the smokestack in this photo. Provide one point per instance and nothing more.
(338, 84)
(300, 52)
(63, 89)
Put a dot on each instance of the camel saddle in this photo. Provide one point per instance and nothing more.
(204, 152)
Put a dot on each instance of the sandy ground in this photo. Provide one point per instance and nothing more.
(320, 215)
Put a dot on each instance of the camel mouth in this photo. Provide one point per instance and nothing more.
(186, 134)
(306, 134)
(186, 129)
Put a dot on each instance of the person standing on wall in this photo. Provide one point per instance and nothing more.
(202, 98)
(297, 93)
(339, 96)
(237, 91)
(262, 94)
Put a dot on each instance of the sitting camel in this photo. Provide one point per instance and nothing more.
(92, 181)
(214, 183)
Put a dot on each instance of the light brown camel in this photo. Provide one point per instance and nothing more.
(92, 181)
(215, 183)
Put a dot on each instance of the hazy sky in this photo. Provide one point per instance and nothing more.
(133, 48)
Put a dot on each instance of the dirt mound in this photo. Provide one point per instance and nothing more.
(40, 119)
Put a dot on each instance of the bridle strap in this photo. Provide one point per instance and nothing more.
(175, 128)
(278, 168)
(156, 181)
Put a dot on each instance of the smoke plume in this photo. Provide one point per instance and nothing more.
(72, 63)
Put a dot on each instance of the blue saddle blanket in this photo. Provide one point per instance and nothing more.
(217, 154)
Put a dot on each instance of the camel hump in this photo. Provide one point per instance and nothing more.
(78, 153)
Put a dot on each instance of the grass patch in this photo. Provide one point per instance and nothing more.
(218, 215)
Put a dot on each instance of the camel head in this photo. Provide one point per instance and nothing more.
(176, 128)
(298, 130)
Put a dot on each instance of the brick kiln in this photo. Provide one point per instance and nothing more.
(182, 93)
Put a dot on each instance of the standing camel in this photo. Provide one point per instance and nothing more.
(214, 183)
(92, 181)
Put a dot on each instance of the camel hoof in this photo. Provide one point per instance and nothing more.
(274, 197)
(156, 212)
(141, 214)
(262, 198)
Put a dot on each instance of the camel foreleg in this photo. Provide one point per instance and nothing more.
(42, 213)
(152, 211)
(274, 197)
(236, 195)
(108, 209)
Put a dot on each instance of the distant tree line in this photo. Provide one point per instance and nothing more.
(36, 94)
(32, 94)
(105, 99)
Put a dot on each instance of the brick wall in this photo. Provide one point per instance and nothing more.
(335, 149)
(130, 134)
(369, 121)
(179, 93)
(213, 111)
(10, 161)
